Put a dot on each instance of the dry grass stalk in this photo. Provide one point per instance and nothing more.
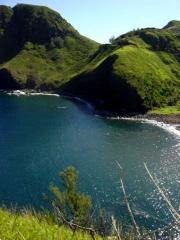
(74, 226)
(127, 203)
(116, 228)
(172, 210)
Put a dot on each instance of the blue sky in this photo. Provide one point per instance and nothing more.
(102, 19)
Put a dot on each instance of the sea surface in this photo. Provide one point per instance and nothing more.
(42, 135)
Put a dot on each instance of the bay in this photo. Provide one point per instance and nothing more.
(41, 135)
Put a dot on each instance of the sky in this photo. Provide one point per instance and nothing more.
(102, 19)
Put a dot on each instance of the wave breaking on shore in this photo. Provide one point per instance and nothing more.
(29, 93)
(168, 127)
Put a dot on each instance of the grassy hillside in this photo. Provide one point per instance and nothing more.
(27, 226)
(139, 71)
(39, 49)
(168, 110)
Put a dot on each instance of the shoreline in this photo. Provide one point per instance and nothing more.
(166, 118)
(171, 128)
(27, 92)
(161, 119)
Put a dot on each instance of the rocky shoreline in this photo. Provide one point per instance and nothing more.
(165, 118)
(172, 119)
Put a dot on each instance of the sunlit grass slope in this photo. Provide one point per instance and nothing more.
(166, 110)
(29, 227)
(138, 71)
(39, 49)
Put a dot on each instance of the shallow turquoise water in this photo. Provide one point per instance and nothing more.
(41, 135)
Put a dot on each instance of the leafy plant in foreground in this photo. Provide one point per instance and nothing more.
(74, 205)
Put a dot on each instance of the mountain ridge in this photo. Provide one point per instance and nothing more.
(144, 74)
(136, 72)
(39, 46)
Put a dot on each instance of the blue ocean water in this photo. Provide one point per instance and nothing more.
(41, 135)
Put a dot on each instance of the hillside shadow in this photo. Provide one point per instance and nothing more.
(105, 90)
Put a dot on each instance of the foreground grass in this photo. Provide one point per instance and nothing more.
(26, 226)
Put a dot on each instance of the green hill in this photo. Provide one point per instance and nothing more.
(39, 49)
(140, 70)
(137, 72)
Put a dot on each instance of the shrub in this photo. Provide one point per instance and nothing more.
(74, 205)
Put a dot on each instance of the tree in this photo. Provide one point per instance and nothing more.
(112, 40)
(74, 205)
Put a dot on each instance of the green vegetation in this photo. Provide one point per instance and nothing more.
(145, 71)
(137, 72)
(73, 205)
(27, 226)
(39, 46)
(166, 110)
